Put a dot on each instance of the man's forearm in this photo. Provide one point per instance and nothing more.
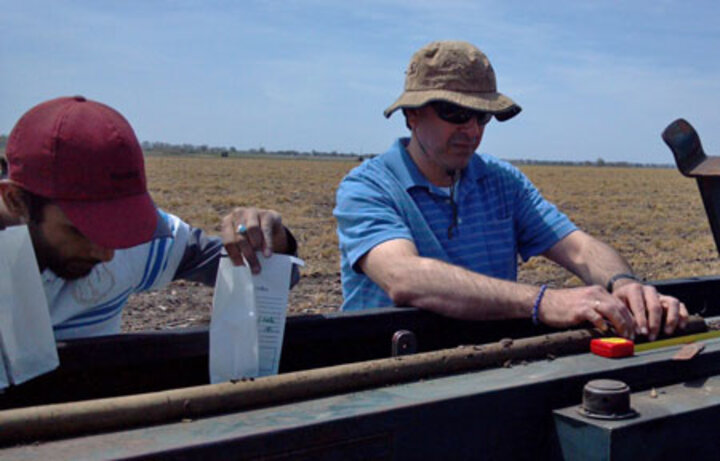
(412, 280)
(592, 260)
(456, 292)
(200, 259)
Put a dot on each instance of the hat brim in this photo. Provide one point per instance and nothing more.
(502, 107)
(119, 223)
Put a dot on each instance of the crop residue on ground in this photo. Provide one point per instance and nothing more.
(654, 217)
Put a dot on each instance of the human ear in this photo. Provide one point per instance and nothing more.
(14, 203)
(411, 116)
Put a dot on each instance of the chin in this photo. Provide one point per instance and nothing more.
(461, 161)
(72, 275)
(462, 154)
(73, 271)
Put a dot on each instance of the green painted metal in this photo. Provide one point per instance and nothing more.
(501, 413)
(473, 415)
(675, 422)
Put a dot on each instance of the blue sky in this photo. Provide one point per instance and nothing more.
(596, 79)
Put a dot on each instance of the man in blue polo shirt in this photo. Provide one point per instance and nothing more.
(434, 225)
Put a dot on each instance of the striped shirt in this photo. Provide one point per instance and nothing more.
(500, 215)
(92, 305)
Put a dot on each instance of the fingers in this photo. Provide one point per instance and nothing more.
(644, 304)
(684, 314)
(676, 314)
(229, 239)
(592, 304)
(649, 307)
(245, 231)
(597, 320)
(654, 312)
(240, 230)
(273, 231)
(632, 309)
(634, 299)
(251, 240)
(616, 313)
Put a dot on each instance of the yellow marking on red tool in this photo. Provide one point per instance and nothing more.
(612, 347)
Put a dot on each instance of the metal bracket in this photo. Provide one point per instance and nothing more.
(404, 342)
(691, 160)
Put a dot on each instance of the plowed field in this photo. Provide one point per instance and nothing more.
(654, 217)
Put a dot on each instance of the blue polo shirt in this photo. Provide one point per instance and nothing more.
(500, 215)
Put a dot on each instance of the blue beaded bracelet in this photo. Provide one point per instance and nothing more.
(536, 306)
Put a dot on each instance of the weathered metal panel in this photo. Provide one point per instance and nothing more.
(494, 414)
(680, 421)
(147, 362)
(700, 294)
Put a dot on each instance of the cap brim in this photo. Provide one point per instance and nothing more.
(497, 104)
(119, 223)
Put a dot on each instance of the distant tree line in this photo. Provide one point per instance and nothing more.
(599, 162)
(164, 148)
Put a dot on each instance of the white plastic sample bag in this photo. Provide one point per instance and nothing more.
(233, 328)
(26, 335)
(248, 318)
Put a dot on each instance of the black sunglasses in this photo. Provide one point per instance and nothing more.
(457, 115)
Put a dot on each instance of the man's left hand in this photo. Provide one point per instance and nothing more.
(649, 308)
(248, 230)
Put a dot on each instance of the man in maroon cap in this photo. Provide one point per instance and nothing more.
(77, 179)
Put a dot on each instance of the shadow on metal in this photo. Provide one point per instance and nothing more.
(135, 363)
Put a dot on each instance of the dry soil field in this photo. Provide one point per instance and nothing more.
(653, 217)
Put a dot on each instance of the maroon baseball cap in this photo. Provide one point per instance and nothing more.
(85, 158)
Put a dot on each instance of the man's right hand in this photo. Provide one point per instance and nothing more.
(563, 308)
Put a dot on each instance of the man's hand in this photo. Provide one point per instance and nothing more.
(595, 262)
(247, 230)
(632, 309)
(649, 307)
(573, 306)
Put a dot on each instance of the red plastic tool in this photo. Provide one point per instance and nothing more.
(612, 347)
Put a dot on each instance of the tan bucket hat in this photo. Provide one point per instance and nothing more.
(455, 72)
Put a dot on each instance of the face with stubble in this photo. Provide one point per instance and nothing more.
(60, 247)
(439, 146)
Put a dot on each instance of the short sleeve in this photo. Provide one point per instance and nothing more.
(367, 216)
(539, 224)
(163, 256)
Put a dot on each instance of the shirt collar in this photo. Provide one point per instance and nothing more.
(401, 163)
(398, 160)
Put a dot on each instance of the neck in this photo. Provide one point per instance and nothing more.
(434, 172)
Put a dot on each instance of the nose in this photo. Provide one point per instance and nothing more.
(472, 127)
(101, 253)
